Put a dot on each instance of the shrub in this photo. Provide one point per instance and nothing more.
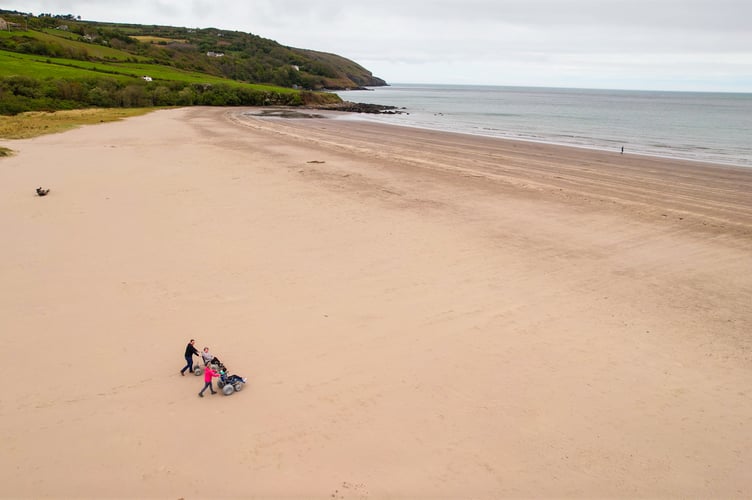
(161, 96)
(22, 86)
(100, 98)
(186, 97)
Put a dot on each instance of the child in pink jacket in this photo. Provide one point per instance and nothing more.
(208, 374)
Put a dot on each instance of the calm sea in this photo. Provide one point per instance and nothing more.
(713, 127)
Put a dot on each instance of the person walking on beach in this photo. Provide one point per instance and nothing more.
(208, 374)
(190, 351)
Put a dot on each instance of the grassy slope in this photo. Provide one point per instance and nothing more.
(113, 62)
(75, 41)
(78, 58)
(349, 69)
(41, 67)
(14, 64)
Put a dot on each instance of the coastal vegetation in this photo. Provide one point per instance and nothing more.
(36, 123)
(58, 62)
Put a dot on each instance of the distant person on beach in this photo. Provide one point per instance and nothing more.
(208, 375)
(190, 351)
(622, 150)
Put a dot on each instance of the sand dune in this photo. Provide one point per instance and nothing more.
(419, 314)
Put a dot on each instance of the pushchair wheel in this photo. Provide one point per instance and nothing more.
(220, 384)
(197, 370)
(238, 386)
(227, 389)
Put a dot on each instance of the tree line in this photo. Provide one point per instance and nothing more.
(20, 93)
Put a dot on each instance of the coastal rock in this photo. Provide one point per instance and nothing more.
(361, 107)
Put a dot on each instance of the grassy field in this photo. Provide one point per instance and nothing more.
(108, 61)
(49, 67)
(41, 67)
(158, 39)
(75, 42)
(98, 65)
(36, 123)
(59, 33)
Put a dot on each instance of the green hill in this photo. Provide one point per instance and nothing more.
(61, 62)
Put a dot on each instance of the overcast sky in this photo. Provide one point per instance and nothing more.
(629, 44)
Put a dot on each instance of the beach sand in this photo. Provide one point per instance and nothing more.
(418, 314)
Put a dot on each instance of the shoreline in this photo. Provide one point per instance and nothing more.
(561, 144)
(679, 135)
(269, 112)
(367, 117)
(563, 166)
(417, 313)
(554, 143)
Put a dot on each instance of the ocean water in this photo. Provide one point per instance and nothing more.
(712, 127)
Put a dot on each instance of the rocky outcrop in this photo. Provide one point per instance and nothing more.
(361, 107)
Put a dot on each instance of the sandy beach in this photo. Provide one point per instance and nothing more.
(418, 314)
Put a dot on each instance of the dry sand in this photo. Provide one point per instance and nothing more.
(419, 315)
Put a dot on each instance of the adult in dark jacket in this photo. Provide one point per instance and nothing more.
(190, 351)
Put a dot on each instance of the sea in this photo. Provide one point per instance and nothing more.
(700, 126)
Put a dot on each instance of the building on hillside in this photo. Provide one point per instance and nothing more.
(3, 24)
(215, 54)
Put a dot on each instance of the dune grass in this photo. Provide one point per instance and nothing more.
(36, 123)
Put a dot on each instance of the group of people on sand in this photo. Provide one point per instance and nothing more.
(208, 359)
